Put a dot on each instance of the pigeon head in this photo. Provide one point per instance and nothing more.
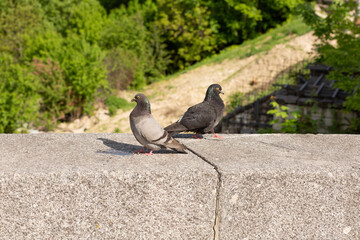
(142, 102)
(213, 92)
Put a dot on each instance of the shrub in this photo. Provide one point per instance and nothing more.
(78, 77)
(18, 97)
(294, 121)
(187, 30)
(124, 69)
(236, 99)
(124, 36)
(135, 55)
(18, 20)
(339, 27)
(53, 91)
(84, 74)
(114, 103)
(84, 18)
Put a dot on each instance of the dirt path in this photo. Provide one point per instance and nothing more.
(170, 99)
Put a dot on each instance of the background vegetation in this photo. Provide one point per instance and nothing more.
(339, 47)
(57, 57)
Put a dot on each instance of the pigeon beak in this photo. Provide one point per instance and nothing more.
(133, 100)
(221, 92)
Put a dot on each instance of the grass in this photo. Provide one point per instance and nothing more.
(293, 27)
(265, 42)
(117, 130)
(114, 103)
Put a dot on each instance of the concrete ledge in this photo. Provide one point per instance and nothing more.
(82, 186)
(287, 186)
(88, 186)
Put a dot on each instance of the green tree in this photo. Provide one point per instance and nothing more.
(125, 38)
(187, 30)
(112, 4)
(84, 73)
(18, 97)
(81, 17)
(73, 72)
(18, 20)
(55, 94)
(239, 20)
(339, 46)
(136, 55)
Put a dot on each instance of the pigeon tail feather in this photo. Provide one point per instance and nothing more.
(177, 146)
(175, 128)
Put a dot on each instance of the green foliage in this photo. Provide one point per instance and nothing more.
(60, 54)
(354, 126)
(114, 103)
(236, 99)
(187, 29)
(243, 19)
(136, 53)
(125, 37)
(112, 4)
(85, 18)
(237, 19)
(339, 45)
(80, 22)
(123, 70)
(281, 112)
(265, 42)
(117, 130)
(159, 57)
(18, 20)
(302, 120)
(18, 98)
(292, 122)
(53, 91)
(63, 55)
(124, 30)
(79, 74)
(84, 74)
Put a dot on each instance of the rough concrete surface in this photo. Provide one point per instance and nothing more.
(287, 186)
(90, 186)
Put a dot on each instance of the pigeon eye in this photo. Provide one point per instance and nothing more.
(217, 89)
(138, 97)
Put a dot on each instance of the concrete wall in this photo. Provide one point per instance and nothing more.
(327, 119)
(90, 186)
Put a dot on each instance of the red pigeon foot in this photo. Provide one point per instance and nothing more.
(216, 136)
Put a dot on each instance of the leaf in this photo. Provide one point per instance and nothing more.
(284, 108)
(284, 114)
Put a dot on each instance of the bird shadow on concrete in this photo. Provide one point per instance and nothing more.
(124, 149)
(201, 136)
(186, 135)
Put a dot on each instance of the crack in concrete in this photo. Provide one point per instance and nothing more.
(216, 226)
(276, 145)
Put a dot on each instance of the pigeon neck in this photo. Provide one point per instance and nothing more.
(144, 107)
(211, 96)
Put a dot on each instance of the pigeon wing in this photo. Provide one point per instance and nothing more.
(154, 134)
(199, 117)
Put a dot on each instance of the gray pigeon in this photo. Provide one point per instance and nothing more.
(148, 131)
(202, 117)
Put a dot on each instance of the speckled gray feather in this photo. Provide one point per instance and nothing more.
(148, 131)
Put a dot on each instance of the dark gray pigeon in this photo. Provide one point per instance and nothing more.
(148, 131)
(203, 117)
